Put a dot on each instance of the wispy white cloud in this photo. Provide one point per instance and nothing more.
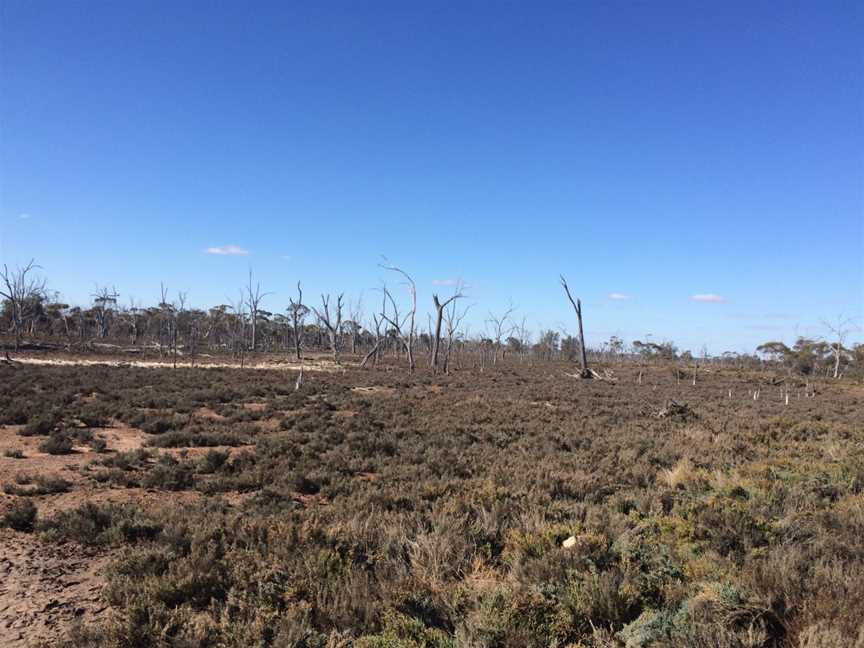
(24, 217)
(709, 298)
(227, 250)
(444, 282)
(616, 296)
(285, 257)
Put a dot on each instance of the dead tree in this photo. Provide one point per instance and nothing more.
(577, 306)
(166, 319)
(841, 331)
(523, 335)
(332, 322)
(178, 314)
(21, 290)
(439, 316)
(453, 320)
(237, 328)
(104, 301)
(405, 328)
(355, 314)
(499, 329)
(375, 351)
(298, 313)
(253, 302)
(133, 314)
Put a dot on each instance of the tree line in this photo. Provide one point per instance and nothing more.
(393, 328)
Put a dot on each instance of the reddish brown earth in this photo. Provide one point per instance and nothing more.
(46, 588)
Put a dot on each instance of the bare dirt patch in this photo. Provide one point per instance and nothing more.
(307, 365)
(45, 588)
(375, 390)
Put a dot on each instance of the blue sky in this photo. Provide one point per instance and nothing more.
(656, 151)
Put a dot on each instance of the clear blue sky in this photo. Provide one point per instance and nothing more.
(655, 150)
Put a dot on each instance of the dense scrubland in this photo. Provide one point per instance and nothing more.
(509, 507)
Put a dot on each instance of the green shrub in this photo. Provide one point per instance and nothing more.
(38, 485)
(212, 461)
(57, 444)
(21, 515)
(98, 444)
(38, 426)
(92, 524)
(170, 475)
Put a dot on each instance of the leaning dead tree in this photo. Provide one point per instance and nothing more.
(22, 291)
(439, 316)
(577, 306)
(331, 321)
(405, 327)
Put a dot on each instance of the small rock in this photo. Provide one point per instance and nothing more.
(569, 542)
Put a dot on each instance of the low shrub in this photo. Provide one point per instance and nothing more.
(129, 460)
(38, 426)
(57, 444)
(196, 439)
(38, 485)
(212, 461)
(21, 515)
(169, 474)
(98, 445)
(92, 524)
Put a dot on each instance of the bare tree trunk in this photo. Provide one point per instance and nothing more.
(372, 353)
(407, 337)
(254, 298)
(577, 306)
(298, 313)
(331, 325)
(439, 317)
(18, 289)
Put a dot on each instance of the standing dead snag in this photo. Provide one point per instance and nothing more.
(21, 292)
(104, 303)
(332, 325)
(453, 318)
(841, 331)
(376, 349)
(577, 306)
(298, 313)
(407, 337)
(253, 301)
(439, 316)
(500, 329)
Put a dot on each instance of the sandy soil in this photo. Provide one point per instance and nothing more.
(45, 588)
(284, 365)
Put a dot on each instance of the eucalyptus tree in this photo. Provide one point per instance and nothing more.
(21, 290)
